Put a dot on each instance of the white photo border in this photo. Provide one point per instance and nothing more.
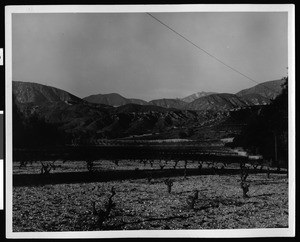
(224, 233)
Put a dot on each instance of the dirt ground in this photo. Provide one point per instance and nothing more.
(146, 204)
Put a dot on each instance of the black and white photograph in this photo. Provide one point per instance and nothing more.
(150, 121)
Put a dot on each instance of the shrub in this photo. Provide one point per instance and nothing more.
(90, 165)
(191, 199)
(244, 185)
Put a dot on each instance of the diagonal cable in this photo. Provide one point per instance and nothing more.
(206, 52)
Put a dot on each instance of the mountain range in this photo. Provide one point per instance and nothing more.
(95, 118)
(260, 94)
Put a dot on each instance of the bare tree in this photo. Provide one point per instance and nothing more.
(162, 164)
(144, 161)
(261, 167)
(116, 161)
(45, 169)
(255, 166)
(23, 163)
(175, 163)
(90, 165)
(222, 170)
(214, 169)
(185, 167)
(200, 164)
(268, 172)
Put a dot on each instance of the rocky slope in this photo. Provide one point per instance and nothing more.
(169, 103)
(255, 99)
(217, 102)
(26, 92)
(269, 89)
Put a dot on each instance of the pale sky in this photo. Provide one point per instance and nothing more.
(134, 55)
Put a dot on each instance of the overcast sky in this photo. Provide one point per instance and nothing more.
(134, 55)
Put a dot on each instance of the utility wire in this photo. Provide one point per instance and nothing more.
(206, 52)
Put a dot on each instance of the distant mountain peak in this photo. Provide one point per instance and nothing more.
(195, 96)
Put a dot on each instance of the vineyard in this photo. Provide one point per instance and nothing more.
(132, 186)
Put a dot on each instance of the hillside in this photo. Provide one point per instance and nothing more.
(87, 123)
(134, 108)
(26, 92)
(137, 101)
(113, 99)
(195, 96)
(269, 89)
(220, 102)
(255, 99)
(169, 103)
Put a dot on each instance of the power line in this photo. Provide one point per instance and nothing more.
(209, 54)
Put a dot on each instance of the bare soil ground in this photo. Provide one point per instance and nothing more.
(144, 204)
